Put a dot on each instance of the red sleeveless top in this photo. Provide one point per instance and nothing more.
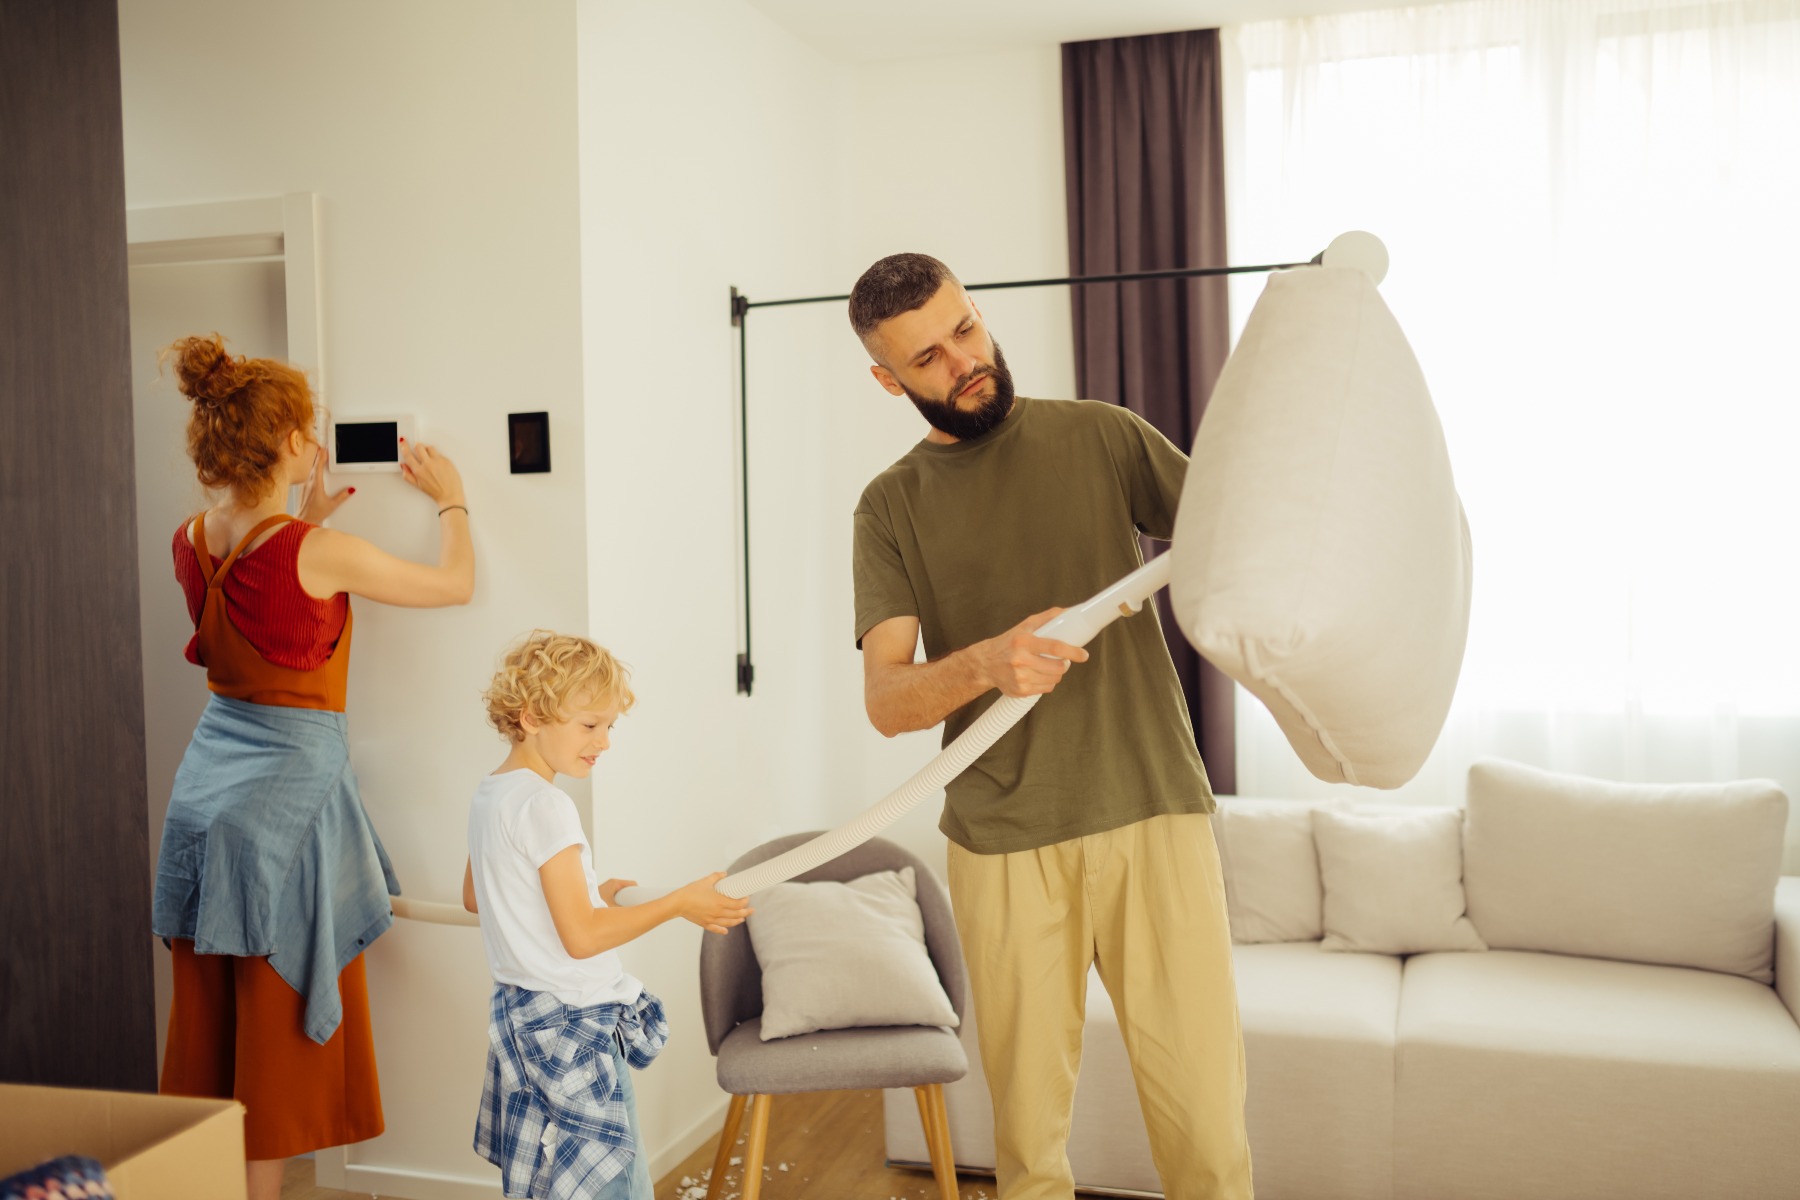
(263, 605)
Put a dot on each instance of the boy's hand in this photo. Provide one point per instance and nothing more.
(702, 903)
(611, 888)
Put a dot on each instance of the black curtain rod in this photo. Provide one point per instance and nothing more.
(740, 308)
(741, 304)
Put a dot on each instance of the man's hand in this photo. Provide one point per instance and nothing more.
(1020, 663)
(902, 695)
(612, 887)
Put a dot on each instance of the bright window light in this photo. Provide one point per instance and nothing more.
(1591, 214)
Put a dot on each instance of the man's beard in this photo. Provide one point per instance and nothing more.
(966, 425)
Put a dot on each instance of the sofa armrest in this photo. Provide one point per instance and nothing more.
(1787, 942)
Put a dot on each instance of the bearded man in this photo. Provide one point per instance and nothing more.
(1081, 837)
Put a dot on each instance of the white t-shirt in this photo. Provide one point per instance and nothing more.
(517, 823)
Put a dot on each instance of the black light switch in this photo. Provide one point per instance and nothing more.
(528, 436)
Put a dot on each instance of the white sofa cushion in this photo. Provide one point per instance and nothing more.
(1677, 874)
(1321, 555)
(1272, 888)
(1319, 1046)
(1393, 881)
(1298, 990)
(1564, 1078)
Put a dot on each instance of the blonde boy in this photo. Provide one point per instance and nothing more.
(557, 1113)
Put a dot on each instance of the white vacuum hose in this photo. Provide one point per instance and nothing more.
(1076, 626)
(432, 913)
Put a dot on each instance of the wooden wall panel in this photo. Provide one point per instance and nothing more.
(75, 968)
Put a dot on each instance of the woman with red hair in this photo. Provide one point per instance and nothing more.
(271, 880)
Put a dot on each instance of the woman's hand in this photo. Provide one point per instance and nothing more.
(331, 561)
(612, 887)
(703, 904)
(317, 503)
(431, 473)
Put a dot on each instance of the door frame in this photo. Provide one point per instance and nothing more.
(282, 229)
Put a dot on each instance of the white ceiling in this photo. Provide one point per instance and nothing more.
(869, 30)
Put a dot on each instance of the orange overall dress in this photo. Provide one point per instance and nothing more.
(235, 1026)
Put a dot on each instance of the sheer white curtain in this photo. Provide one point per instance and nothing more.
(1593, 212)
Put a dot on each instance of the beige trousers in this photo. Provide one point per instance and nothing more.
(1147, 903)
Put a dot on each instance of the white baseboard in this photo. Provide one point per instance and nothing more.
(698, 1134)
(328, 1167)
(331, 1168)
(416, 1185)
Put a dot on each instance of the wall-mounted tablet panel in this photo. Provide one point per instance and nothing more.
(369, 444)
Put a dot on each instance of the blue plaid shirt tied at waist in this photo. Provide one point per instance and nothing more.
(553, 1113)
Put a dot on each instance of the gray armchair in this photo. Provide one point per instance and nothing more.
(754, 1071)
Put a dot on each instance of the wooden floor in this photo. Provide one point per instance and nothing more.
(832, 1146)
(830, 1142)
(299, 1185)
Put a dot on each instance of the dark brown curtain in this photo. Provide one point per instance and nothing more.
(1145, 166)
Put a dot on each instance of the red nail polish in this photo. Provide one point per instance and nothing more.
(353, 491)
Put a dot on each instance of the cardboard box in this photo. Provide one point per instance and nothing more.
(153, 1147)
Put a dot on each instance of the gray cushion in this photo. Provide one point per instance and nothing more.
(731, 983)
(839, 1059)
(845, 955)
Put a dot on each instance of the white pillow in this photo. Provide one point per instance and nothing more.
(1272, 888)
(844, 955)
(1393, 881)
(1680, 874)
(1321, 555)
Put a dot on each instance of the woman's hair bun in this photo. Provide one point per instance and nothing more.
(244, 410)
(206, 374)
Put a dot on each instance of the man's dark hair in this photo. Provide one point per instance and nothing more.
(897, 284)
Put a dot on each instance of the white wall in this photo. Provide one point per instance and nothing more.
(440, 136)
(718, 150)
(505, 193)
(707, 160)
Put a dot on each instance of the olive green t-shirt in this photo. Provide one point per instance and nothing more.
(973, 537)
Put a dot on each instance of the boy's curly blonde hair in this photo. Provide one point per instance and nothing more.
(545, 673)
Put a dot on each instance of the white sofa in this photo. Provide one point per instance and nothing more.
(1513, 1073)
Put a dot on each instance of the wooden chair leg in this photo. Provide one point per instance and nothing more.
(927, 1121)
(943, 1159)
(759, 1142)
(734, 1118)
